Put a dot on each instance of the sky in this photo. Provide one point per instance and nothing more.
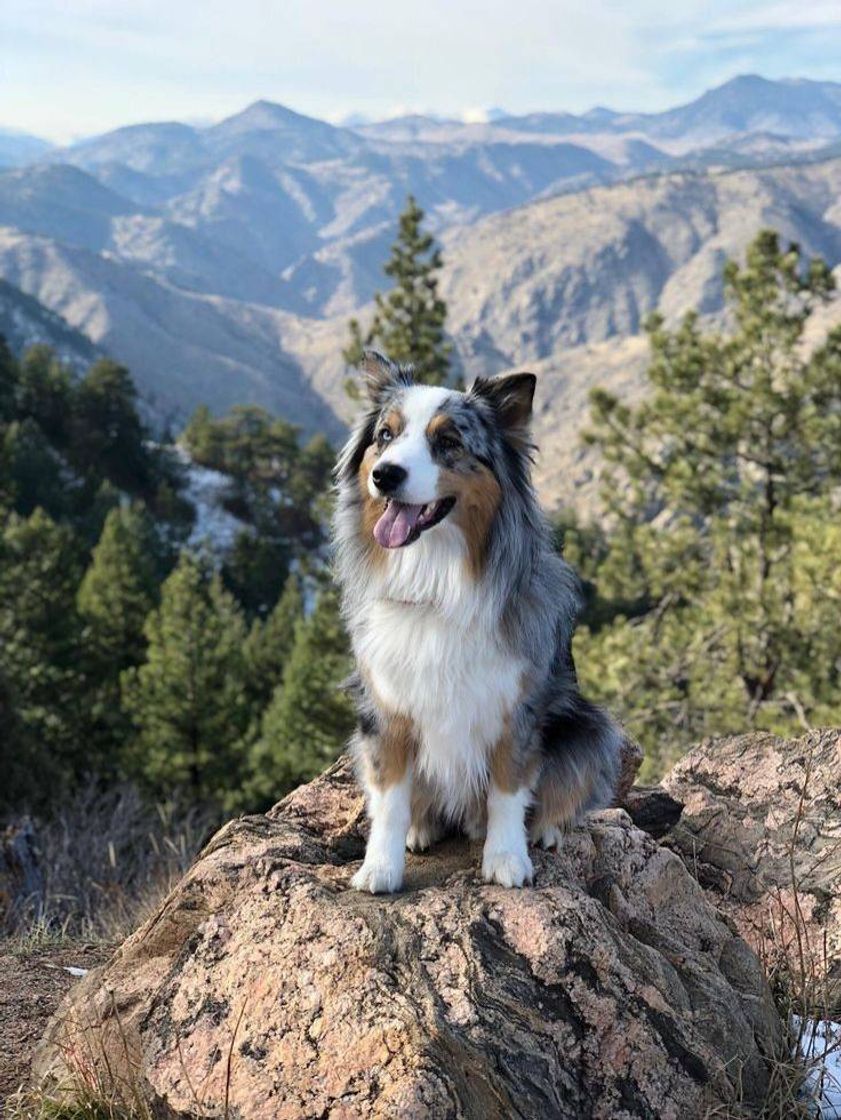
(70, 68)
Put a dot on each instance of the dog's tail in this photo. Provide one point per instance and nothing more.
(581, 751)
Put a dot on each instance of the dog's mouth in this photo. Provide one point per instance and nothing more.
(401, 523)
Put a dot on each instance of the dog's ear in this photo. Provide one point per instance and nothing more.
(380, 373)
(510, 395)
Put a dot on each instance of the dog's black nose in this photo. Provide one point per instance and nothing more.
(388, 476)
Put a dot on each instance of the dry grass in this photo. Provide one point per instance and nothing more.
(103, 862)
(90, 1092)
(93, 1090)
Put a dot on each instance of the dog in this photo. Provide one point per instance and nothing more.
(460, 614)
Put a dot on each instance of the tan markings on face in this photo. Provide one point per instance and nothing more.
(440, 424)
(477, 495)
(394, 420)
(372, 508)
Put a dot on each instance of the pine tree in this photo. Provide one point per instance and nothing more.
(117, 594)
(8, 382)
(270, 643)
(188, 700)
(40, 653)
(45, 393)
(720, 487)
(309, 718)
(254, 571)
(409, 320)
(120, 587)
(32, 474)
(106, 435)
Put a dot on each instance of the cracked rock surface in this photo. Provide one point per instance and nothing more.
(265, 987)
(761, 830)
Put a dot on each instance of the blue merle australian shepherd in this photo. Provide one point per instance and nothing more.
(461, 616)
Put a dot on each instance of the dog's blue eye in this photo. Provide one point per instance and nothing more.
(384, 436)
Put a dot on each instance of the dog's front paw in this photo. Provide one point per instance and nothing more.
(547, 837)
(509, 869)
(422, 837)
(378, 878)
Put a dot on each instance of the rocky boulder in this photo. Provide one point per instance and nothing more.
(761, 829)
(265, 987)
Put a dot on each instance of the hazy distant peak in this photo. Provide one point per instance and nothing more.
(264, 114)
(600, 114)
(18, 148)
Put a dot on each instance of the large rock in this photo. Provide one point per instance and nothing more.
(761, 829)
(265, 987)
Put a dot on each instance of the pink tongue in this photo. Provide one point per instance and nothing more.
(396, 524)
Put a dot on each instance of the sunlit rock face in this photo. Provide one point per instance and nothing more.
(265, 987)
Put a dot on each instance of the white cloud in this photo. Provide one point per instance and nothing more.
(805, 15)
(86, 66)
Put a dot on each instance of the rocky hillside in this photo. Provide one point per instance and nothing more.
(25, 322)
(561, 285)
(221, 263)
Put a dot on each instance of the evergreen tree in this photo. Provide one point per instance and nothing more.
(32, 473)
(8, 382)
(716, 484)
(120, 586)
(309, 718)
(188, 700)
(276, 486)
(107, 437)
(40, 652)
(117, 594)
(270, 643)
(409, 320)
(45, 392)
(255, 570)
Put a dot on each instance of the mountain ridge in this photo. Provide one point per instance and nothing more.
(221, 263)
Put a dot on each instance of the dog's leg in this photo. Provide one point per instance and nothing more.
(505, 859)
(388, 779)
(580, 767)
(426, 828)
(385, 856)
(474, 824)
(424, 834)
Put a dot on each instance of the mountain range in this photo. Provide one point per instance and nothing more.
(221, 263)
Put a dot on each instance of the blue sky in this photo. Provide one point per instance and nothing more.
(72, 68)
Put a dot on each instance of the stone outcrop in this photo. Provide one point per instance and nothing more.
(761, 830)
(265, 987)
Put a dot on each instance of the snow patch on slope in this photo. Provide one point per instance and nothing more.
(215, 527)
(820, 1045)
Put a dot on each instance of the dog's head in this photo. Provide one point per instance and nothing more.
(421, 454)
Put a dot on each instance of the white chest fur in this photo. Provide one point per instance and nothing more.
(455, 682)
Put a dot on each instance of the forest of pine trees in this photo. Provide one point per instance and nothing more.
(131, 651)
(714, 580)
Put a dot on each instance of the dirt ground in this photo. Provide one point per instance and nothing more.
(31, 986)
